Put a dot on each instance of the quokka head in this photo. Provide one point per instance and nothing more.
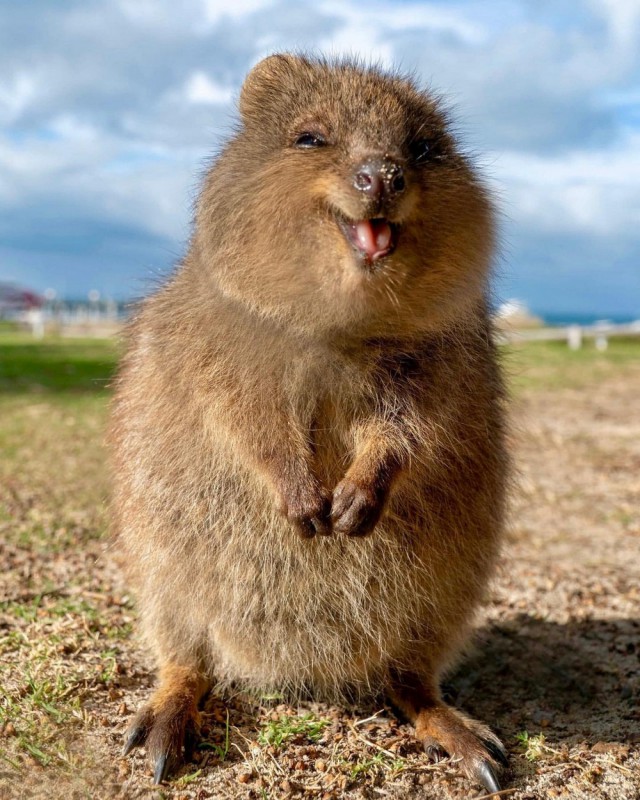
(343, 205)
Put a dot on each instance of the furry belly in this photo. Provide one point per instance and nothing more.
(255, 603)
(320, 614)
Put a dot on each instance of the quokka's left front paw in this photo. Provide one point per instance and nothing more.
(306, 506)
(356, 508)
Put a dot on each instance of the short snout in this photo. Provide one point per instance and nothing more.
(380, 180)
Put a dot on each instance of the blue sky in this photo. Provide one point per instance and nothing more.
(109, 110)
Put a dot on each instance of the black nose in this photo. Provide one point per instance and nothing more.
(378, 178)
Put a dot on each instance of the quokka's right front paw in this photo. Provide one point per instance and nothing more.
(307, 507)
(356, 508)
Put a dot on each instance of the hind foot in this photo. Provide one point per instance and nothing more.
(168, 726)
(445, 731)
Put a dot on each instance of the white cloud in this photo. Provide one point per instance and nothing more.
(589, 191)
(106, 177)
(15, 96)
(623, 18)
(161, 14)
(74, 130)
(367, 31)
(200, 89)
(216, 10)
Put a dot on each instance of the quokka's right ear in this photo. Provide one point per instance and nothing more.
(266, 80)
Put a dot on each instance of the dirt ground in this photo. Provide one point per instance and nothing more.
(555, 669)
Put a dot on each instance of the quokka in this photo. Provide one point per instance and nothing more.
(308, 426)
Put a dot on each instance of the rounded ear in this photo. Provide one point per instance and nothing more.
(266, 79)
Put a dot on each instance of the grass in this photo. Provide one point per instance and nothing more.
(220, 751)
(60, 640)
(53, 405)
(57, 652)
(380, 762)
(552, 365)
(55, 365)
(277, 732)
(533, 747)
(185, 780)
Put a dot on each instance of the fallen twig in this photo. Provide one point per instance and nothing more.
(372, 744)
(501, 793)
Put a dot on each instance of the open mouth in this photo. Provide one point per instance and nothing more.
(373, 239)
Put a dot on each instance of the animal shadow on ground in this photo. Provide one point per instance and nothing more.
(573, 681)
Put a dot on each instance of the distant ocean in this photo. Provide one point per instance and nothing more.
(568, 318)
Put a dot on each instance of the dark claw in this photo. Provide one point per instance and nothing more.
(321, 526)
(487, 777)
(162, 769)
(434, 752)
(134, 739)
(318, 525)
(496, 752)
(190, 742)
(306, 528)
(309, 526)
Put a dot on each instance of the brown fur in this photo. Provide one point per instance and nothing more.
(275, 377)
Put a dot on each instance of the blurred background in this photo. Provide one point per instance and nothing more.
(110, 109)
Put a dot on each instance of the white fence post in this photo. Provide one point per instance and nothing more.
(574, 337)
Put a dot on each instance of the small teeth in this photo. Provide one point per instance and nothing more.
(372, 236)
(383, 237)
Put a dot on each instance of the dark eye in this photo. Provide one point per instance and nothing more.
(423, 150)
(307, 140)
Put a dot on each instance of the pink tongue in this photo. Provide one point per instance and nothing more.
(372, 236)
